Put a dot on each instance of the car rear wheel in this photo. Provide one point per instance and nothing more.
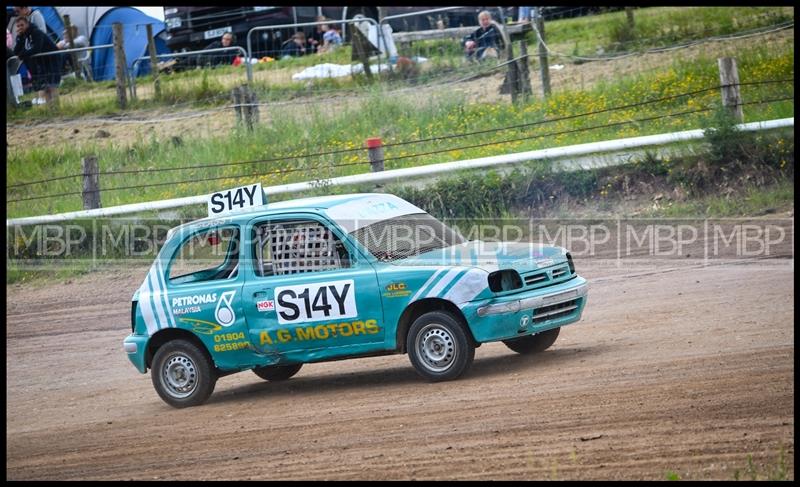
(439, 347)
(533, 343)
(183, 374)
(277, 372)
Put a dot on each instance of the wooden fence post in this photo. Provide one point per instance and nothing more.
(151, 47)
(121, 65)
(362, 50)
(237, 103)
(544, 68)
(512, 78)
(729, 79)
(73, 58)
(524, 72)
(251, 111)
(375, 151)
(91, 183)
(629, 15)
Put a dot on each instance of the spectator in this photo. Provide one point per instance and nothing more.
(219, 58)
(45, 70)
(486, 41)
(78, 41)
(315, 39)
(33, 15)
(330, 37)
(296, 46)
(524, 14)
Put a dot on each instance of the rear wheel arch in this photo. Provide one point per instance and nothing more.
(418, 308)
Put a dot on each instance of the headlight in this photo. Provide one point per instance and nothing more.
(504, 280)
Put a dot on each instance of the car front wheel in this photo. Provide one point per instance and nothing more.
(439, 347)
(183, 374)
(533, 343)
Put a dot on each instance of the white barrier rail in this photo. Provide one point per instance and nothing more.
(412, 172)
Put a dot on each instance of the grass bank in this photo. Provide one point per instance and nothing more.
(401, 117)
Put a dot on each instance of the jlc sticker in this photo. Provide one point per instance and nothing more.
(396, 290)
(315, 302)
(267, 305)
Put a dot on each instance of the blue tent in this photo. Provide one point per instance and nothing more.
(134, 38)
(55, 26)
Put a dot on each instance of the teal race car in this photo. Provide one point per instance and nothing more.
(270, 287)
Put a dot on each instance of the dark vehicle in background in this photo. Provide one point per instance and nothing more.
(193, 28)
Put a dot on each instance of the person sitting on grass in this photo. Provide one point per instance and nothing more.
(296, 46)
(486, 41)
(221, 58)
(330, 39)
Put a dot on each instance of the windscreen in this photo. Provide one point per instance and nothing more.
(406, 236)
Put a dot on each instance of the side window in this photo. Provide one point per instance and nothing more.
(298, 246)
(209, 255)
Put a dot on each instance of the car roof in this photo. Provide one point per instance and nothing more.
(313, 204)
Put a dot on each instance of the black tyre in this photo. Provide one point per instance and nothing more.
(533, 343)
(277, 372)
(183, 374)
(439, 347)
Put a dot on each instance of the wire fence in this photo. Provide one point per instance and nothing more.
(444, 65)
(438, 138)
(316, 169)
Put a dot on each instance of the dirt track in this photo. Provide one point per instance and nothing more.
(684, 369)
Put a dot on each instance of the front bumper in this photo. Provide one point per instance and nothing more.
(533, 302)
(135, 346)
(528, 312)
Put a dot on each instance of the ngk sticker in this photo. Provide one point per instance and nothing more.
(267, 305)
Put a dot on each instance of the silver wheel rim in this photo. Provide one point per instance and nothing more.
(179, 376)
(436, 347)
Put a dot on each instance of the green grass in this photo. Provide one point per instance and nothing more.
(398, 117)
(23, 272)
(755, 201)
(657, 27)
(776, 470)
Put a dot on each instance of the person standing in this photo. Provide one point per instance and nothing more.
(34, 16)
(45, 70)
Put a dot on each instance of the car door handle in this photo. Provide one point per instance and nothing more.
(260, 294)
